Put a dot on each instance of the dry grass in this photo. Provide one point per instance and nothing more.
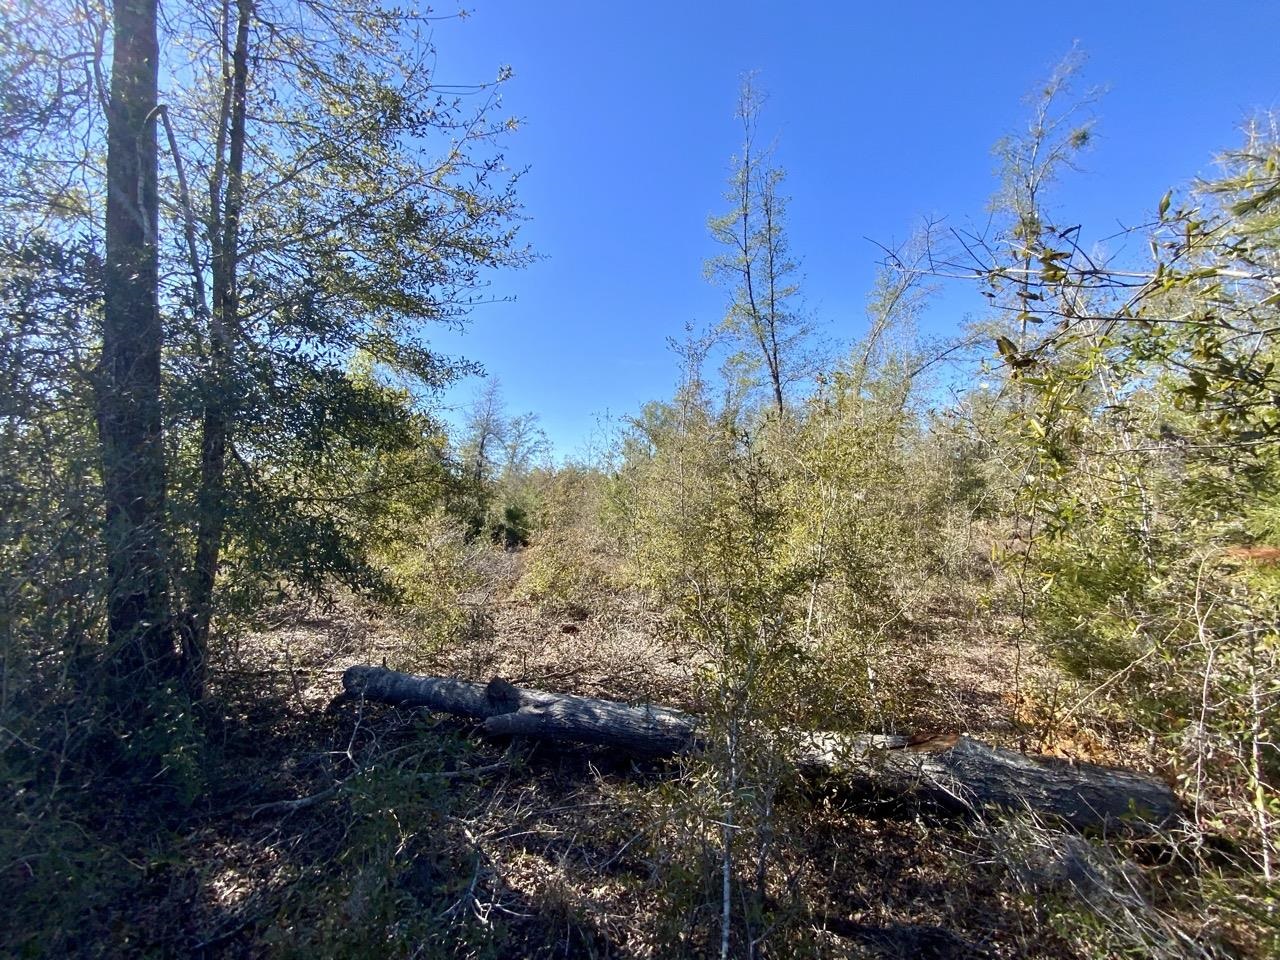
(564, 852)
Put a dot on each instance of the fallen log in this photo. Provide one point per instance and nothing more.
(952, 772)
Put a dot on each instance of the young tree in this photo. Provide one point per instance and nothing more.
(1030, 162)
(350, 201)
(526, 443)
(763, 317)
(1147, 432)
(226, 198)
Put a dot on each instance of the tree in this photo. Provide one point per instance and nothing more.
(226, 198)
(350, 201)
(762, 317)
(498, 455)
(1148, 436)
(486, 432)
(1030, 162)
(138, 606)
(322, 201)
(526, 443)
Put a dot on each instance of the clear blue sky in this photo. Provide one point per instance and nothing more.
(884, 113)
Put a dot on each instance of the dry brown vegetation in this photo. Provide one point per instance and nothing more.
(1051, 527)
(550, 851)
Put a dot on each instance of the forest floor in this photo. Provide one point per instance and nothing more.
(437, 842)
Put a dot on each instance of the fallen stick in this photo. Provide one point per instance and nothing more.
(286, 807)
(950, 771)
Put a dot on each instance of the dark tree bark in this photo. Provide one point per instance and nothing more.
(140, 627)
(952, 773)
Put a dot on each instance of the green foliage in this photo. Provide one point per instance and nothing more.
(1143, 415)
(49, 483)
(372, 201)
(431, 566)
(66, 882)
(785, 553)
(570, 565)
(1122, 455)
(368, 204)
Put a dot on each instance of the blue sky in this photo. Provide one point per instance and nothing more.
(883, 114)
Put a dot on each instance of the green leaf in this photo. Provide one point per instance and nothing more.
(1164, 203)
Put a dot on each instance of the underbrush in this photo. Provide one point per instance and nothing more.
(366, 831)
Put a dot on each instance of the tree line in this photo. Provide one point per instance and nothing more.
(227, 230)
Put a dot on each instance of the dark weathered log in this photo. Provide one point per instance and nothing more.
(509, 710)
(950, 771)
(961, 773)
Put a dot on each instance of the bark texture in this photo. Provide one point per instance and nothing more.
(507, 710)
(952, 772)
(129, 419)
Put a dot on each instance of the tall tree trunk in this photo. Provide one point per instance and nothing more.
(140, 627)
(224, 323)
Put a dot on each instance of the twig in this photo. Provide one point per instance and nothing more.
(287, 807)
